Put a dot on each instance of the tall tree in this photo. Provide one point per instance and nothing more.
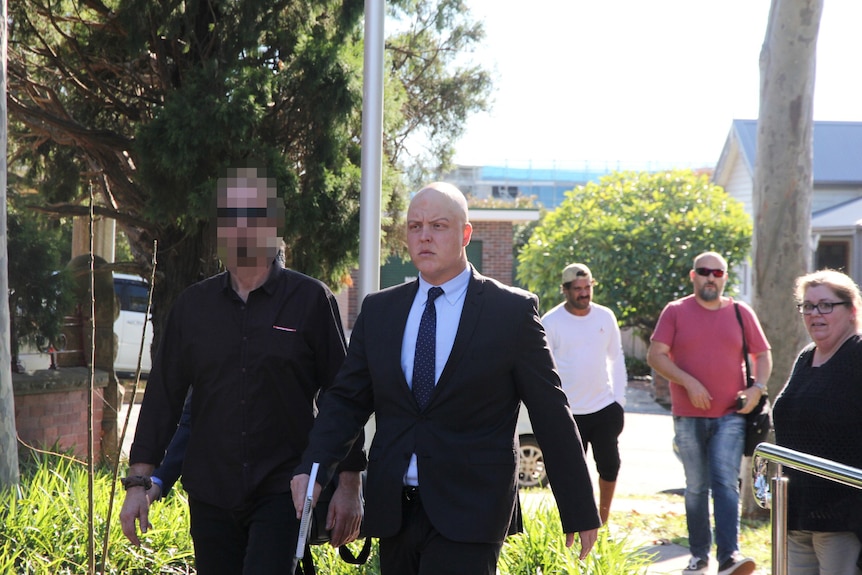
(8, 437)
(784, 181)
(150, 101)
(428, 53)
(783, 175)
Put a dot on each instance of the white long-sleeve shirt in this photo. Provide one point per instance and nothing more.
(589, 356)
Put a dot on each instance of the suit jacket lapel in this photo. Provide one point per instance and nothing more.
(395, 337)
(466, 328)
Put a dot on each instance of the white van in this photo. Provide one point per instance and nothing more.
(132, 292)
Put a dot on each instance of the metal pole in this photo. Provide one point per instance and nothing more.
(779, 523)
(806, 463)
(372, 150)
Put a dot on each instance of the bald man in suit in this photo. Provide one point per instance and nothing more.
(442, 468)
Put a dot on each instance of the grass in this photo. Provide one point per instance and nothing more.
(755, 536)
(44, 530)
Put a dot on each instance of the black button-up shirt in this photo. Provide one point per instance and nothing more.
(256, 367)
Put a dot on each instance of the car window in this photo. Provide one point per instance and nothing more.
(137, 295)
(132, 296)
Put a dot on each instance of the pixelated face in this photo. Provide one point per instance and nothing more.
(247, 220)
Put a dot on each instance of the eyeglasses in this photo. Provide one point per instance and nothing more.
(822, 308)
(234, 213)
(717, 273)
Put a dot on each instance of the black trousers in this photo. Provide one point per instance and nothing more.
(259, 539)
(419, 549)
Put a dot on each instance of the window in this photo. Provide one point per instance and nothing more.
(833, 254)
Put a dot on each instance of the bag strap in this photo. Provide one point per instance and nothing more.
(348, 557)
(306, 564)
(748, 379)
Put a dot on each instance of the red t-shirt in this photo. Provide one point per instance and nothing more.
(708, 345)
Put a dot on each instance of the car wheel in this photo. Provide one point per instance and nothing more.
(531, 463)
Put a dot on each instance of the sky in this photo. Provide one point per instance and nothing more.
(637, 83)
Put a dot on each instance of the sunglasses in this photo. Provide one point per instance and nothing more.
(716, 273)
(234, 213)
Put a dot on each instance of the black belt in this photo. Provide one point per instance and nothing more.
(410, 493)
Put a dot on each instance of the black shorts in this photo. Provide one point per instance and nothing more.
(601, 430)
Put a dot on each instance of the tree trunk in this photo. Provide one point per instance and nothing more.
(783, 179)
(8, 439)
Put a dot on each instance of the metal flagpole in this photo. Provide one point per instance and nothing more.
(372, 150)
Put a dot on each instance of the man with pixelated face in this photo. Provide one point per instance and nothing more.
(249, 217)
(258, 342)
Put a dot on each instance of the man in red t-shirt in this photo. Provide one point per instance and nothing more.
(697, 346)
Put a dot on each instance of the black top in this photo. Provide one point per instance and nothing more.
(256, 368)
(819, 412)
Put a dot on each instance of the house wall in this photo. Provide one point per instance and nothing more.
(740, 186)
(827, 197)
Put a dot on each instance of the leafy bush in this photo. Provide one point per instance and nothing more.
(638, 233)
(636, 367)
(44, 530)
(44, 526)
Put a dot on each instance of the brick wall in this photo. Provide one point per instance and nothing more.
(497, 259)
(52, 410)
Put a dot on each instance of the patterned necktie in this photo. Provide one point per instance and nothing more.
(426, 349)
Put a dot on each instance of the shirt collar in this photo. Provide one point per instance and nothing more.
(269, 286)
(452, 289)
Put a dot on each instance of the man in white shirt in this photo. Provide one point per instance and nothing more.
(586, 345)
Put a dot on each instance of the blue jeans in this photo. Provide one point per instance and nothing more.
(711, 453)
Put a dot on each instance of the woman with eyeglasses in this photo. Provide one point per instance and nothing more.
(819, 412)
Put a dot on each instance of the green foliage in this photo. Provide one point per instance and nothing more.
(636, 367)
(43, 525)
(441, 86)
(638, 233)
(43, 529)
(541, 549)
(149, 102)
(38, 296)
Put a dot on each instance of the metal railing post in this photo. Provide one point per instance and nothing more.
(811, 464)
(779, 523)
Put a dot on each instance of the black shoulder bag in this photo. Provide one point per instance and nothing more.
(758, 422)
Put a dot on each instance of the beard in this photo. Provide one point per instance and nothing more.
(709, 292)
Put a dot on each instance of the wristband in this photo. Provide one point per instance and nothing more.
(136, 481)
(761, 387)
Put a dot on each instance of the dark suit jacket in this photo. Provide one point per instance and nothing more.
(465, 438)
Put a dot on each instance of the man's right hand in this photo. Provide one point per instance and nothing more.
(136, 507)
(298, 487)
(698, 394)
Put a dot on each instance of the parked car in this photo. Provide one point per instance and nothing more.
(132, 292)
(531, 465)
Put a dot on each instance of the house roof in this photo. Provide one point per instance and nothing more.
(847, 215)
(837, 151)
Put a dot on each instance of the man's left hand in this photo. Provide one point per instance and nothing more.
(752, 398)
(588, 539)
(345, 509)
